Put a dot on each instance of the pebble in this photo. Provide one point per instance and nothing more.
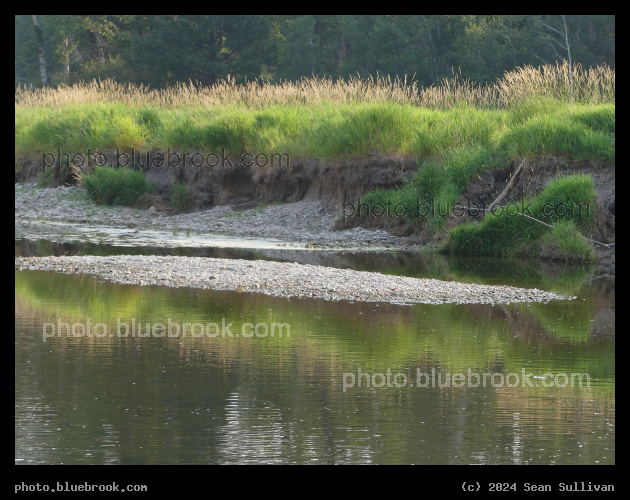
(282, 279)
(309, 223)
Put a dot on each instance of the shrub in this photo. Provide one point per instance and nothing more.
(566, 201)
(180, 198)
(116, 186)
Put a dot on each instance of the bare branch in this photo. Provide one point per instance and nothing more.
(509, 186)
(552, 28)
(537, 56)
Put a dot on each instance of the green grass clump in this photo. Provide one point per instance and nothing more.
(569, 200)
(440, 131)
(323, 130)
(599, 118)
(569, 197)
(565, 242)
(180, 198)
(433, 190)
(554, 135)
(111, 186)
(75, 128)
(364, 130)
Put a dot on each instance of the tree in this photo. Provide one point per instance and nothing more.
(173, 49)
(166, 49)
(308, 45)
(43, 65)
(560, 39)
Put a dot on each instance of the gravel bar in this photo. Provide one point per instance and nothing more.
(53, 213)
(282, 279)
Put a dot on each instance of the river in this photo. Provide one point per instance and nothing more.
(125, 374)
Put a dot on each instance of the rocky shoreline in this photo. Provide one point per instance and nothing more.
(64, 214)
(282, 279)
(55, 213)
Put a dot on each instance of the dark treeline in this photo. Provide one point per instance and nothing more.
(163, 50)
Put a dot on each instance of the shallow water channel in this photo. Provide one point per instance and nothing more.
(259, 379)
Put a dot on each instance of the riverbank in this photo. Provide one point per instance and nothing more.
(65, 214)
(531, 112)
(282, 279)
(291, 166)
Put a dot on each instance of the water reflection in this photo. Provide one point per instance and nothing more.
(228, 399)
(557, 277)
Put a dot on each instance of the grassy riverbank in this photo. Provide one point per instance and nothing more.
(528, 112)
(454, 132)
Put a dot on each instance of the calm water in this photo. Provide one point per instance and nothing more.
(345, 383)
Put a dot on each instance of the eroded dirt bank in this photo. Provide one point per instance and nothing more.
(331, 184)
(233, 183)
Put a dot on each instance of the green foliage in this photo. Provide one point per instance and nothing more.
(180, 198)
(569, 200)
(600, 118)
(75, 128)
(45, 178)
(324, 130)
(569, 197)
(439, 131)
(116, 186)
(433, 190)
(565, 241)
(161, 50)
(582, 135)
(149, 118)
(202, 48)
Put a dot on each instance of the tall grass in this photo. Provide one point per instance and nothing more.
(592, 85)
(526, 113)
(252, 94)
(578, 132)
(76, 127)
(324, 131)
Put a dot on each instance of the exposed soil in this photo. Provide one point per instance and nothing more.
(535, 176)
(334, 183)
(233, 183)
(486, 187)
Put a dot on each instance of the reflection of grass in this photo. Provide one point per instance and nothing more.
(569, 280)
(471, 336)
(566, 279)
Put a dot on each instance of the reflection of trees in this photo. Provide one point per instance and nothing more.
(280, 400)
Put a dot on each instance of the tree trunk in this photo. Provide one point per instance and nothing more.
(66, 59)
(43, 66)
(100, 46)
(566, 38)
